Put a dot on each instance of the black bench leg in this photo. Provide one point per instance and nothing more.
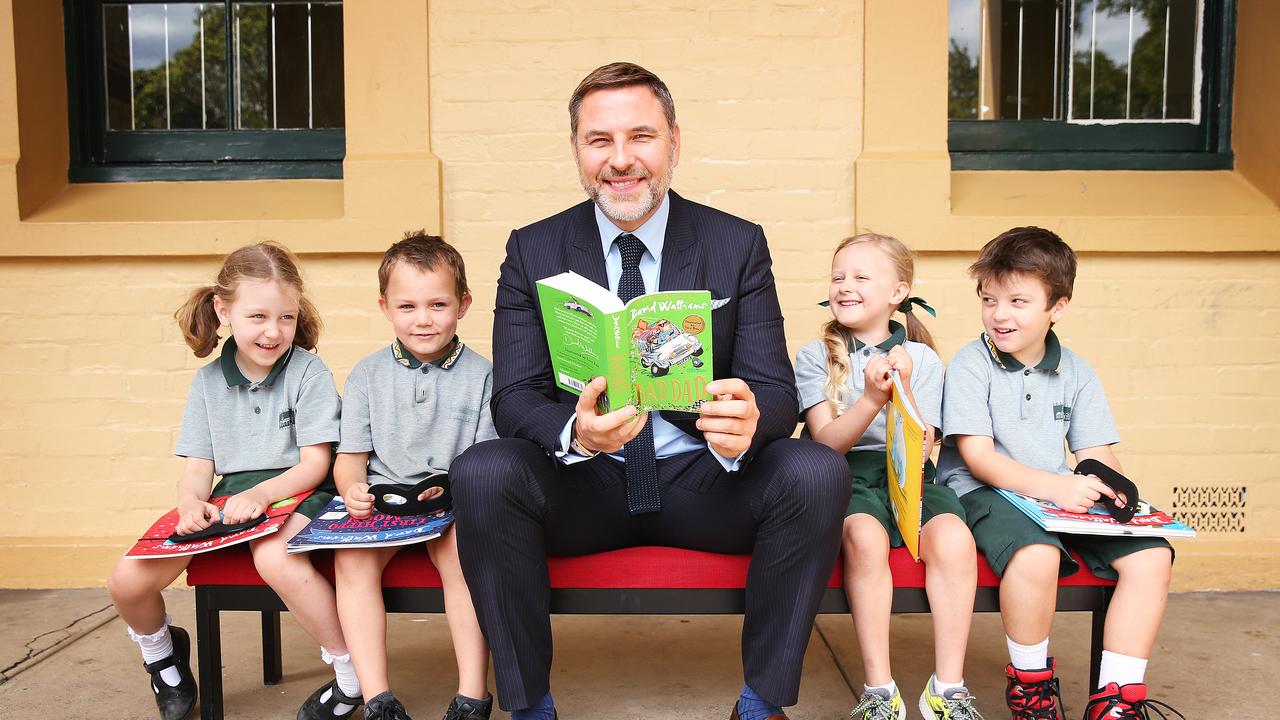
(271, 669)
(1099, 618)
(209, 654)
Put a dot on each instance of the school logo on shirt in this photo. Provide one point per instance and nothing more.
(286, 419)
(1062, 412)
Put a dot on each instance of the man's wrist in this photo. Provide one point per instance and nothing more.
(575, 445)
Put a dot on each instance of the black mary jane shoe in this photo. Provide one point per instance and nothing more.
(467, 711)
(313, 709)
(174, 702)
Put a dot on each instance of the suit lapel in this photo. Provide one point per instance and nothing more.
(585, 255)
(678, 268)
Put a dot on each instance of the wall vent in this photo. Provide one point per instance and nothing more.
(1210, 508)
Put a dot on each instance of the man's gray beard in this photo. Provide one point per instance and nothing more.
(653, 196)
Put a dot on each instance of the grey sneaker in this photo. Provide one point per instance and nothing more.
(879, 705)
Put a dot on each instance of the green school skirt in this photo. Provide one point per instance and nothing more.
(870, 476)
(233, 483)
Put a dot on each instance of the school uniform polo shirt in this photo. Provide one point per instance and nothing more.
(243, 425)
(1028, 411)
(414, 418)
(926, 380)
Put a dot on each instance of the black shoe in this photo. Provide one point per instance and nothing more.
(313, 709)
(174, 702)
(460, 709)
(385, 707)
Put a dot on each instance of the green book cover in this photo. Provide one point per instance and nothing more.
(654, 352)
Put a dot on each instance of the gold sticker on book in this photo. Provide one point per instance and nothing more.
(694, 324)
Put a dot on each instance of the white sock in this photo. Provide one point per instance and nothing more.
(940, 688)
(345, 676)
(1028, 657)
(158, 646)
(1121, 669)
(891, 688)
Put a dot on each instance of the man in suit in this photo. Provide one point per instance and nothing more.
(566, 480)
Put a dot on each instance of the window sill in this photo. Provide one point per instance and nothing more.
(192, 202)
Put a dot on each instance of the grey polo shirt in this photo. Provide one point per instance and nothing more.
(1028, 412)
(414, 418)
(244, 425)
(926, 379)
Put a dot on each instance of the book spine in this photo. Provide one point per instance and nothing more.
(617, 354)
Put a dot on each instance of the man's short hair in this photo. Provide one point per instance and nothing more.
(423, 252)
(616, 75)
(1031, 251)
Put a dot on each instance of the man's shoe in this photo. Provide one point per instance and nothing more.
(734, 715)
(953, 704)
(1033, 694)
(313, 709)
(1125, 701)
(385, 708)
(466, 711)
(879, 705)
(174, 702)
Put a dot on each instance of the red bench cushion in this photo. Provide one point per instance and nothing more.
(640, 567)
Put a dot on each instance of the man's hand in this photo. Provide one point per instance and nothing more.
(1078, 493)
(608, 432)
(358, 500)
(245, 506)
(195, 515)
(729, 421)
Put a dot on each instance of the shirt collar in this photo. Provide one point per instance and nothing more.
(652, 233)
(897, 336)
(407, 359)
(231, 370)
(1049, 363)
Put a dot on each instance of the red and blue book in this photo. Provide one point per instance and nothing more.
(335, 528)
(162, 541)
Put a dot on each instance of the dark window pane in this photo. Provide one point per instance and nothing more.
(964, 47)
(327, 110)
(115, 46)
(1181, 98)
(251, 65)
(1028, 70)
(292, 66)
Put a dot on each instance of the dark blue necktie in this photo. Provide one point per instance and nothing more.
(643, 493)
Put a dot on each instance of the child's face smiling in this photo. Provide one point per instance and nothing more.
(264, 319)
(424, 309)
(1017, 314)
(865, 290)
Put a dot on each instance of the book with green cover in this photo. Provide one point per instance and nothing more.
(654, 352)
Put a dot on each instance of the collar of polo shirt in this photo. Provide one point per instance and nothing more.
(231, 371)
(1049, 363)
(407, 359)
(897, 336)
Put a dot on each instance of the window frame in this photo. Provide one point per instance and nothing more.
(1063, 145)
(102, 155)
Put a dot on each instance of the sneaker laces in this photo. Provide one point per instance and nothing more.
(874, 707)
(1140, 709)
(1037, 701)
(960, 707)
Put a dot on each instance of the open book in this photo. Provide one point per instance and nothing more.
(655, 351)
(160, 540)
(1147, 521)
(905, 452)
(334, 528)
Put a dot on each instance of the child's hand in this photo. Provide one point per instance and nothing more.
(900, 360)
(878, 381)
(358, 501)
(245, 506)
(1078, 493)
(195, 515)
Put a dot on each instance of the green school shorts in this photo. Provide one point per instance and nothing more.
(1000, 530)
(233, 483)
(870, 476)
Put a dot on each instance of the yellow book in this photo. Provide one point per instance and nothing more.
(905, 454)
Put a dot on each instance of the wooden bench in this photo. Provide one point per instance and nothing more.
(633, 581)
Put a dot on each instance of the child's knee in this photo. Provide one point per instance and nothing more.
(864, 538)
(356, 565)
(1036, 564)
(947, 541)
(1152, 564)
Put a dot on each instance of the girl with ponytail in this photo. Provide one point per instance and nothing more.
(844, 380)
(262, 419)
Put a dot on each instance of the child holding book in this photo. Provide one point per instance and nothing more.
(409, 410)
(1012, 398)
(263, 416)
(844, 381)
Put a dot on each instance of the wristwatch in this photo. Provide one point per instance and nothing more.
(576, 447)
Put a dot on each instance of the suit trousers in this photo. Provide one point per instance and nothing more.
(514, 505)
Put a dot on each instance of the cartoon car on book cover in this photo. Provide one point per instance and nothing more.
(574, 305)
(665, 349)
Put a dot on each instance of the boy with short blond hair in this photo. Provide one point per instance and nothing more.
(1010, 400)
(408, 411)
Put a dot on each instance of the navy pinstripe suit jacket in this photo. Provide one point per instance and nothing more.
(705, 249)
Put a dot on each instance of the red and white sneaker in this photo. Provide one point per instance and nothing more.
(1033, 694)
(1125, 701)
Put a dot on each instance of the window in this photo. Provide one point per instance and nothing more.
(205, 90)
(1090, 84)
